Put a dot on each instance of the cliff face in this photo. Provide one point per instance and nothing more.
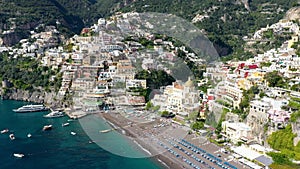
(48, 98)
(12, 38)
(293, 14)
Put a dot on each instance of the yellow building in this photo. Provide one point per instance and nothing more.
(295, 38)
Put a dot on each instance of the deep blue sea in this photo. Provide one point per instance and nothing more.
(57, 148)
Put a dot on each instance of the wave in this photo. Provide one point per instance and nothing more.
(144, 149)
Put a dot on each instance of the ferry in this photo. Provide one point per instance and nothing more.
(54, 114)
(31, 108)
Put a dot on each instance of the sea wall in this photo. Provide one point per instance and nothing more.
(50, 99)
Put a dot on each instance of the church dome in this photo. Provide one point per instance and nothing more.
(189, 83)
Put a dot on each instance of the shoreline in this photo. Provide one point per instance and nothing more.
(162, 159)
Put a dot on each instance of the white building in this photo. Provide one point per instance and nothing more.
(181, 98)
(135, 83)
(236, 131)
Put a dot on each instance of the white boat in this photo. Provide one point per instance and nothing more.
(47, 127)
(4, 131)
(54, 114)
(19, 155)
(73, 133)
(31, 108)
(29, 135)
(106, 131)
(65, 124)
(12, 136)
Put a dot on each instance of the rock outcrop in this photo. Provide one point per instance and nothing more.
(48, 98)
(293, 14)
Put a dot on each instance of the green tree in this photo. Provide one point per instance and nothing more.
(198, 125)
(274, 79)
(149, 105)
(164, 113)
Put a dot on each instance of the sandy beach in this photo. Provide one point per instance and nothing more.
(135, 132)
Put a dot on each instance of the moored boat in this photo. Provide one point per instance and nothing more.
(73, 133)
(12, 136)
(29, 135)
(4, 131)
(65, 124)
(31, 108)
(54, 114)
(47, 127)
(19, 155)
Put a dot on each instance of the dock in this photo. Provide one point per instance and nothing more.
(75, 114)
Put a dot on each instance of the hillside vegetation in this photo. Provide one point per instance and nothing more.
(227, 22)
(71, 16)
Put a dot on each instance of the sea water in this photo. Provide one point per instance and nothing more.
(57, 148)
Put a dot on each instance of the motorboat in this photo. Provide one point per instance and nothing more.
(31, 108)
(54, 114)
(65, 124)
(19, 155)
(12, 136)
(105, 131)
(73, 133)
(47, 127)
(4, 131)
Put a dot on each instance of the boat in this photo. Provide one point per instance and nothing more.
(73, 133)
(47, 127)
(105, 131)
(19, 155)
(12, 136)
(65, 124)
(31, 108)
(29, 135)
(54, 114)
(4, 131)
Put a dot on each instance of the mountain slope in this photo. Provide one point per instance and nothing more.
(23, 15)
(225, 22)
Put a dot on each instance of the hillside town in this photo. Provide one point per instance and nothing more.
(99, 75)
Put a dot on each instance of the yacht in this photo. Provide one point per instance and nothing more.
(47, 127)
(65, 124)
(31, 108)
(19, 155)
(4, 131)
(54, 114)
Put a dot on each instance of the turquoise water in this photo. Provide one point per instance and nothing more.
(57, 148)
(112, 141)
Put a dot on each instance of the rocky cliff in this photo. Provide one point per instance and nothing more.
(293, 14)
(48, 98)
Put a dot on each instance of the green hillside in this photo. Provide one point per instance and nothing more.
(227, 22)
(72, 15)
